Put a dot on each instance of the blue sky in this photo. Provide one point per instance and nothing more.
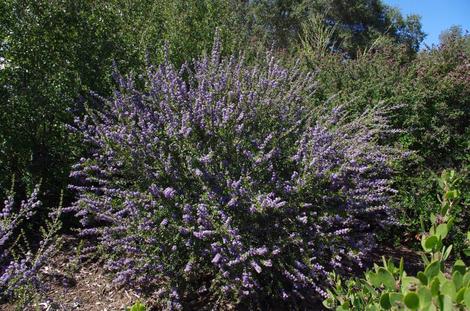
(436, 15)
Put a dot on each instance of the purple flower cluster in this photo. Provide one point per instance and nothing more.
(225, 181)
(16, 270)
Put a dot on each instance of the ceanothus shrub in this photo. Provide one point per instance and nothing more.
(223, 183)
(19, 264)
(14, 272)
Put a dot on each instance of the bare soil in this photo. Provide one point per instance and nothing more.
(73, 285)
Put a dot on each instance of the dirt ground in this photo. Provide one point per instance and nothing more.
(72, 285)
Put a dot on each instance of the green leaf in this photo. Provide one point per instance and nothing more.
(446, 303)
(422, 277)
(372, 308)
(442, 278)
(448, 288)
(433, 269)
(430, 308)
(137, 307)
(459, 266)
(457, 278)
(412, 301)
(466, 279)
(435, 285)
(373, 279)
(409, 282)
(460, 295)
(386, 278)
(425, 297)
(401, 267)
(442, 230)
(385, 301)
(395, 297)
(450, 223)
(429, 243)
(447, 252)
(466, 298)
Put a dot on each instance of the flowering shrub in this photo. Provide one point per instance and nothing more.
(18, 264)
(224, 183)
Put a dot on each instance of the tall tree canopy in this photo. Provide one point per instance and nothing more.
(359, 22)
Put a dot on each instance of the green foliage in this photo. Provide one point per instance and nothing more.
(359, 22)
(388, 287)
(455, 34)
(433, 89)
(187, 27)
(137, 307)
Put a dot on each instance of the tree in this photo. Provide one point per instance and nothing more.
(455, 35)
(358, 22)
